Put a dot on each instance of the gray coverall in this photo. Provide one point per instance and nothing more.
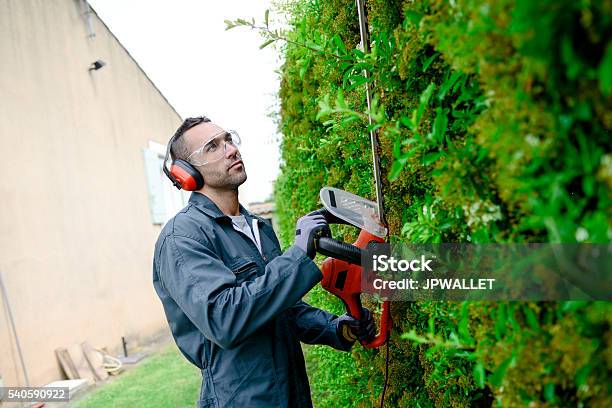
(237, 314)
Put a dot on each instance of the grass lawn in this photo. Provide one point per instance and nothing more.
(165, 379)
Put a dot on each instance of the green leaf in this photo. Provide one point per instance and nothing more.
(304, 65)
(404, 120)
(408, 141)
(377, 110)
(500, 321)
(229, 25)
(448, 84)
(431, 158)
(358, 53)
(573, 305)
(605, 71)
(440, 125)
(339, 44)
(397, 149)
(515, 326)
(324, 107)
(396, 169)
(479, 375)
(423, 102)
(265, 44)
(413, 17)
(266, 17)
(532, 320)
(428, 61)
(582, 375)
(413, 336)
(497, 377)
(464, 322)
(356, 81)
(549, 392)
(340, 103)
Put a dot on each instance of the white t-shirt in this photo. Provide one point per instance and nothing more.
(240, 223)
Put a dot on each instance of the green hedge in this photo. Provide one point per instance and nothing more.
(494, 119)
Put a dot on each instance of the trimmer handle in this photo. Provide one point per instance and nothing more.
(334, 248)
(356, 311)
(329, 217)
(338, 250)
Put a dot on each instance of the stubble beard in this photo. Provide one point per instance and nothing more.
(225, 181)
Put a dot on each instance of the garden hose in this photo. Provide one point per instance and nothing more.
(111, 364)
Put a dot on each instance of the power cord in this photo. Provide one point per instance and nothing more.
(382, 397)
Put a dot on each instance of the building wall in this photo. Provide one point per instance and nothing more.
(76, 239)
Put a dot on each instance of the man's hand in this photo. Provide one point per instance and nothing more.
(351, 329)
(307, 229)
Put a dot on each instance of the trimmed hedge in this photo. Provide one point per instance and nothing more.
(494, 120)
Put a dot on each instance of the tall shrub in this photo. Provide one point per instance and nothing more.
(494, 119)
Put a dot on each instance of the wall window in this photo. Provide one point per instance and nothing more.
(164, 199)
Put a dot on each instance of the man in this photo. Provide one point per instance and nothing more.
(232, 300)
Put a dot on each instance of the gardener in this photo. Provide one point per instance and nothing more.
(232, 300)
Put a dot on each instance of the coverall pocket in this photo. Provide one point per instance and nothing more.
(244, 269)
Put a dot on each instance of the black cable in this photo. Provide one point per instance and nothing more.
(382, 397)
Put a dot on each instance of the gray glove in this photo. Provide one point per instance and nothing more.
(351, 329)
(307, 228)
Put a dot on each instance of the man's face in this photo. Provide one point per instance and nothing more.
(227, 170)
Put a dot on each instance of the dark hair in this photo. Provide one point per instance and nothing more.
(179, 149)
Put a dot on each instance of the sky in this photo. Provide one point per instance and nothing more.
(202, 69)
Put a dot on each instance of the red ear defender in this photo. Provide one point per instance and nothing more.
(186, 175)
(180, 172)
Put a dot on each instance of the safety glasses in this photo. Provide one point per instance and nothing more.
(215, 148)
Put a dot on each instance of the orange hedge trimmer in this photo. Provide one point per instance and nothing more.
(343, 274)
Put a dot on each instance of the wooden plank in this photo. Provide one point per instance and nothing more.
(95, 359)
(66, 363)
(78, 358)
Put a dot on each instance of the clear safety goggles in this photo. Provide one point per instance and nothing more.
(215, 148)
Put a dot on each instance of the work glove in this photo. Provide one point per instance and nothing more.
(351, 329)
(308, 228)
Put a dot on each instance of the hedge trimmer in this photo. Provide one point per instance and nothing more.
(343, 275)
(342, 272)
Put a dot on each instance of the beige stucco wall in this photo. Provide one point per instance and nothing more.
(76, 236)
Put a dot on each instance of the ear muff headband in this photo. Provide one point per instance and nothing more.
(182, 174)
